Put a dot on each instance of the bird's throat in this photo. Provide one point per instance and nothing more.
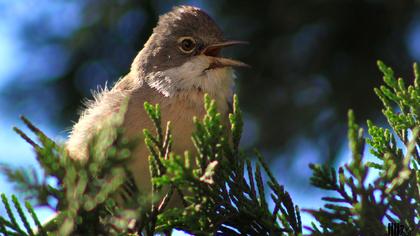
(194, 76)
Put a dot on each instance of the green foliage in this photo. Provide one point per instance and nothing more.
(224, 193)
(11, 226)
(221, 190)
(362, 207)
(84, 189)
(216, 188)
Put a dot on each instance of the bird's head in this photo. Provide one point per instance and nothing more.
(183, 53)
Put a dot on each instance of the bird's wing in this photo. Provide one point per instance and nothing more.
(97, 113)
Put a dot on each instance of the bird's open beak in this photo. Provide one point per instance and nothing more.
(213, 50)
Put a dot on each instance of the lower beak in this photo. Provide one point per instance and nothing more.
(213, 51)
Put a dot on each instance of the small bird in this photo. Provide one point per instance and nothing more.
(178, 64)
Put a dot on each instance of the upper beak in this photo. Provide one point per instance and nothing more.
(213, 50)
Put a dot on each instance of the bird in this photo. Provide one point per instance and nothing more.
(179, 63)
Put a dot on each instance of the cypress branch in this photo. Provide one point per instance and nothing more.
(218, 197)
(398, 200)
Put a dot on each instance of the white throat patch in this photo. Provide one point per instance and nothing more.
(192, 75)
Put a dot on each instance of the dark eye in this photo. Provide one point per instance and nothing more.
(186, 44)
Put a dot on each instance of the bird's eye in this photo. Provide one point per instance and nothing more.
(186, 44)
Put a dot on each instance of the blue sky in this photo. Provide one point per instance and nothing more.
(15, 54)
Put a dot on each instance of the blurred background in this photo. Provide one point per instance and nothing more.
(311, 61)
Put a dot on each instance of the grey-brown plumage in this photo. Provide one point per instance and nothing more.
(178, 64)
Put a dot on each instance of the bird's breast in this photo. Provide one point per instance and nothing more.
(179, 110)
